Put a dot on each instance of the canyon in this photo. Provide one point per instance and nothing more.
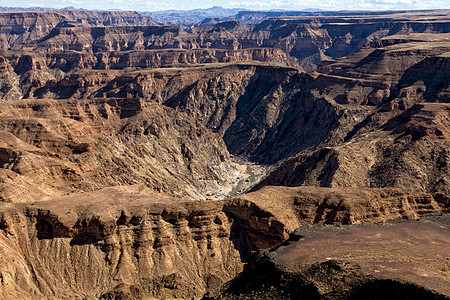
(141, 160)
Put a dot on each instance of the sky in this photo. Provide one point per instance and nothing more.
(155, 5)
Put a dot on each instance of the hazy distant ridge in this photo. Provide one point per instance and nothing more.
(194, 16)
(36, 8)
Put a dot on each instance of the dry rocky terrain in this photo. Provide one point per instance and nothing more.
(132, 242)
(128, 149)
(389, 261)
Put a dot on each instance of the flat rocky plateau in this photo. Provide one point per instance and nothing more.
(385, 261)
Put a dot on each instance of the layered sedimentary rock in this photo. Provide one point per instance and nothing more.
(24, 72)
(132, 242)
(51, 148)
(403, 141)
(306, 206)
(270, 113)
(106, 118)
(311, 41)
(114, 244)
(22, 27)
(409, 151)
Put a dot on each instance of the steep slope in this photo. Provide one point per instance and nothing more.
(51, 148)
(268, 113)
(23, 27)
(106, 118)
(113, 244)
(402, 141)
(305, 206)
(253, 106)
(129, 242)
(410, 151)
(24, 72)
(310, 40)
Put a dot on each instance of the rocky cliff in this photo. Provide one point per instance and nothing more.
(403, 140)
(129, 242)
(111, 127)
(269, 113)
(412, 155)
(310, 40)
(52, 148)
(22, 27)
(113, 244)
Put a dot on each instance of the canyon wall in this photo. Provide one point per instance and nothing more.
(129, 242)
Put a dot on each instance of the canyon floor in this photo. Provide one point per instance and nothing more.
(304, 156)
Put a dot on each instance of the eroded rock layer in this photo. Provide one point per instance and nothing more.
(50, 148)
(346, 125)
(311, 40)
(132, 242)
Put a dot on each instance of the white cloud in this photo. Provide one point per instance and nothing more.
(396, 1)
(161, 5)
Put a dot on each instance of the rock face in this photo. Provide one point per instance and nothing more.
(25, 72)
(132, 242)
(22, 27)
(311, 41)
(391, 123)
(114, 244)
(341, 126)
(50, 148)
(305, 206)
(409, 151)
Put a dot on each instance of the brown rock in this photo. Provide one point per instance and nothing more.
(62, 147)
(404, 260)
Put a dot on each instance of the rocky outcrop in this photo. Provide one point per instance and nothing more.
(115, 244)
(311, 44)
(270, 113)
(136, 243)
(23, 73)
(50, 148)
(19, 28)
(409, 151)
(390, 131)
(69, 61)
(311, 41)
(122, 120)
(306, 206)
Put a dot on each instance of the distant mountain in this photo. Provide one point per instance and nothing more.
(257, 16)
(189, 17)
(36, 8)
(312, 9)
(252, 17)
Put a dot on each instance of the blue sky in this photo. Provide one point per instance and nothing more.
(152, 5)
